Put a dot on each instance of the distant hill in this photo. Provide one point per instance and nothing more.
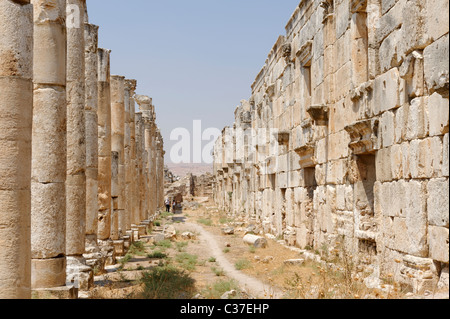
(182, 170)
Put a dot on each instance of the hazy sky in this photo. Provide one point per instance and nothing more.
(196, 58)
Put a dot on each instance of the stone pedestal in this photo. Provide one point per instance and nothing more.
(79, 273)
(119, 248)
(107, 251)
(127, 241)
(60, 293)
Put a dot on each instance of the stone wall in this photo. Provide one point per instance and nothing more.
(345, 137)
(80, 169)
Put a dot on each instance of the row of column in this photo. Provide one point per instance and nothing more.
(78, 165)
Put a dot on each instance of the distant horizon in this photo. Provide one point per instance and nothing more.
(181, 170)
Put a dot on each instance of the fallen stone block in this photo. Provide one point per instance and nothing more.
(294, 262)
(228, 231)
(187, 235)
(255, 241)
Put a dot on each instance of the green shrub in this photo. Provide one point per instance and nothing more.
(137, 248)
(166, 243)
(216, 290)
(157, 255)
(181, 246)
(167, 283)
(242, 264)
(218, 271)
(206, 222)
(166, 214)
(187, 261)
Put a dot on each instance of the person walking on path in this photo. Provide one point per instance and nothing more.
(167, 203)
(174, 206)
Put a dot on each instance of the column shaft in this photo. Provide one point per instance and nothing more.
(48, 192)
(16, 107)
(104, 145)
(91, 110)
(118, 146)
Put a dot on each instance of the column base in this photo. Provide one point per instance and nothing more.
(119, 248)
(93, 255)
(46, 273)
(79, 273)
(63, 293)
(108, 252)
(142, 229)
(148, 226)
(130, 234)
(127, 241)
(136, 234)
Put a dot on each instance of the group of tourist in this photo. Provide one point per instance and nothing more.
(169, 204)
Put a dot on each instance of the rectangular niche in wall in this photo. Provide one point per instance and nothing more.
(366, 226)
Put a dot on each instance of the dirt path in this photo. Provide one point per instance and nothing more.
(247, 283)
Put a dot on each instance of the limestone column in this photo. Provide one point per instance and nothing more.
(16, 110)
(118, 146)
(77, 270)
(152, 165)
(135, 189)
(48, 175)
(129, 87)
(140, 156)
(159, 171)
(104, 145)
(91, 109)
(145, 106)
(130, 153)
(146, 186)
(114, 196)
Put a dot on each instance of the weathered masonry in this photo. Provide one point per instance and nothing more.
(345, 137)
(80, 167)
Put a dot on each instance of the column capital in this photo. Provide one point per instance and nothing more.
(130, 85)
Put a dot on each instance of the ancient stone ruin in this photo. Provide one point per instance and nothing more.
(81, 172)
(344, 140)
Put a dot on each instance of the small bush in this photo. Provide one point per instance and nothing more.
(218, 271)
(164, 243)
(212, 260)
(157, 255)
(206, 222)
(187, 261)
(137, 248)
(167, 283)
(242, 264)
(216, 290)
(225, 220)
(166, 214)
(125, 259)
(181, 246)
